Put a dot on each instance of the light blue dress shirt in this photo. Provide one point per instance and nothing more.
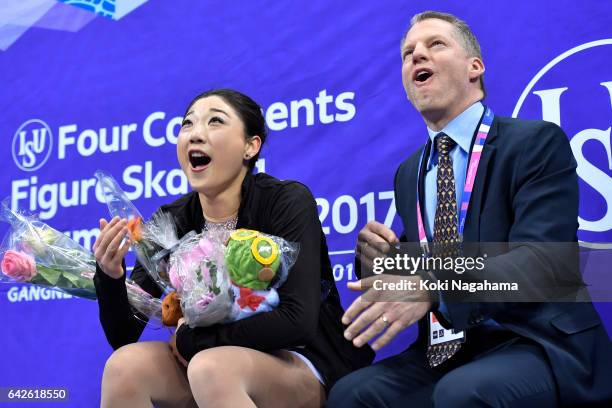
(461, 130)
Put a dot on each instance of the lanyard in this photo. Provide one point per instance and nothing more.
(472, 169)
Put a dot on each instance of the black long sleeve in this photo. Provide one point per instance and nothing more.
(118, 319)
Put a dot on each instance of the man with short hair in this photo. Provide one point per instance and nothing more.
(522, 187)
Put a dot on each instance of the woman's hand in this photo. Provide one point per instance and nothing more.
(172, 344)
(108, 250)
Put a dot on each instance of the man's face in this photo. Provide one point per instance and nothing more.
(437, 73)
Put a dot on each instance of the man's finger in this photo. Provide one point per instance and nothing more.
(376, 327)
(388, 335)
(365, 236)
(383, 231)
(356, 286)
(375, 250)
(362, 284)
(361, 254)
(366, 318)
(354, 309)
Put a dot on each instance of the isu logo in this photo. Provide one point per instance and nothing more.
(32, 145)
(574, 90)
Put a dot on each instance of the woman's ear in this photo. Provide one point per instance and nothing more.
(253, 144)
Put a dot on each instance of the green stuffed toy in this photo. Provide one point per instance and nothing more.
(252, 259)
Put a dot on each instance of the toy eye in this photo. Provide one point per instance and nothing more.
(264, 250)
(243, 234)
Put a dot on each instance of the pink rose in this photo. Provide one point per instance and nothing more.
(18, 265)
(203, 250)
(191, 258)
(206, 247)
(175, 280)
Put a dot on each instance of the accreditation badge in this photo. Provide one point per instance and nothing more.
(444, 341)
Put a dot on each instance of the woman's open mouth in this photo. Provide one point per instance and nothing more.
(198, 160)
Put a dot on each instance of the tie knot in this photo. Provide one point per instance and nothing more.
(445, 144)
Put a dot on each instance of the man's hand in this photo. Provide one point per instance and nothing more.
(383, 311)
(172, 344)
(374, 241)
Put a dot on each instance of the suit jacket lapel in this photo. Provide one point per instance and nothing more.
(408, 184)
(421, 186)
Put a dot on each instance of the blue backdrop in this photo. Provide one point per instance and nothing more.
(83, 91)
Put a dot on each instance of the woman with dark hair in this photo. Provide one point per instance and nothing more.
(287, 357)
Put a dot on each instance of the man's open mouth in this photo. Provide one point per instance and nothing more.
(421, 75)
(198, 160)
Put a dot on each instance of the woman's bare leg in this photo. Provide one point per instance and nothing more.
(241, 377)
(139, 374)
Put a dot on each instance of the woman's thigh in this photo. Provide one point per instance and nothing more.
(149, 368)
(276, 379)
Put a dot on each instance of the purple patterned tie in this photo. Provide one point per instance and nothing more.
(446, 236)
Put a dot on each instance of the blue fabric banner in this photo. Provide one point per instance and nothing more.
(90, 85)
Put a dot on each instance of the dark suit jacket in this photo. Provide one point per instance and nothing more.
(526, 190)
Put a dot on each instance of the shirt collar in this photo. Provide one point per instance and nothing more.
(461, 129)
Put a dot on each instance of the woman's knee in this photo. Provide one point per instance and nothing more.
(121, 363)
(210, 368)
(121, 373)
(128, 367)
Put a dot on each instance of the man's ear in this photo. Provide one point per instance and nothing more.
(252, 147)
(476, 69)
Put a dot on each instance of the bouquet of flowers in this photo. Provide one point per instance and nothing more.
(223, 276)
(153, 240)
(35, 253)
(212, 277)
(202, 285)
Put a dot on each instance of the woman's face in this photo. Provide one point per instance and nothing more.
(211, 146)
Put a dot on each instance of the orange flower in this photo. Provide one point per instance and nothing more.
(135, 229)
